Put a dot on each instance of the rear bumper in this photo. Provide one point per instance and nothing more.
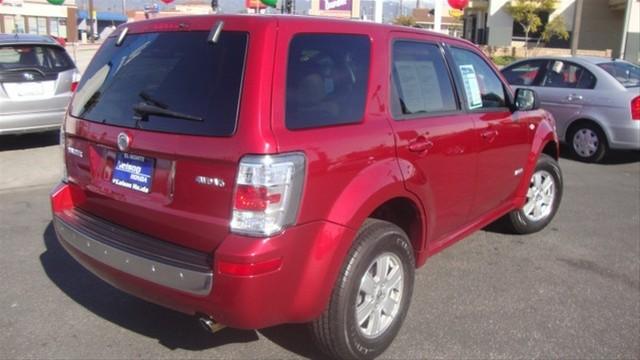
(31, 122)
(298, 291)
(626, 136)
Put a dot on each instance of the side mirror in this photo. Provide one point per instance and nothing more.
(526, 100)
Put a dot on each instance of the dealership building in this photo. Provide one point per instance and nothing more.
(603, 24)
(39, 17)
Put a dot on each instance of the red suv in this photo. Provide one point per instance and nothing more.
(260, 170)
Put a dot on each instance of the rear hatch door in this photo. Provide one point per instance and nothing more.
(152, 132)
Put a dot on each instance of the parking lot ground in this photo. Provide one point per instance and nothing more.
(570, 291)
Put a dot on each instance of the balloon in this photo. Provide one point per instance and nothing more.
(167, 1)
(56, 2)
(458, 4)
(271, 3)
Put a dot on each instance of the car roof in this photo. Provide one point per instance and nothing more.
(12, 39)
(295, 20)
(580, 59)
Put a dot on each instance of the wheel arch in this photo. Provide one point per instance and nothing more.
(586, 120)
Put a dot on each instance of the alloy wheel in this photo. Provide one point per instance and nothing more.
(379, 295)
(540, 196)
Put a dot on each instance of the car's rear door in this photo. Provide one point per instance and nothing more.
(505, 140)
(433, 134)
(565, 90)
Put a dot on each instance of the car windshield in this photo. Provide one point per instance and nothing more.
(45, 58)
(627, 74)
(158, 81)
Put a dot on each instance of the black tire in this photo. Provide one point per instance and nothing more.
(337, 332)
(588, 129)
(522, 221)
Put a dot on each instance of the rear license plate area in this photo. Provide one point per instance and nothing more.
(133, 172)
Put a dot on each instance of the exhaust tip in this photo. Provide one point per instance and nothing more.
(210, 325)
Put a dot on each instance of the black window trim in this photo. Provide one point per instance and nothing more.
(286, 77)
(546, 70)
(454, 85)
(508, 94)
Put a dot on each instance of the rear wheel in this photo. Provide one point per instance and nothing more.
(371, 296)
(543, 198)
(588, 142)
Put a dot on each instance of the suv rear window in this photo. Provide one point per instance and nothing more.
(326, 80)
(43, 60)
(177, 71)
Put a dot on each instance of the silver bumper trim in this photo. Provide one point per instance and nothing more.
(190, 281)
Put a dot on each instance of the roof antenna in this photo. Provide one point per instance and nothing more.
(214, 34)
(122, 35)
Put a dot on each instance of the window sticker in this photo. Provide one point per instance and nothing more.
(471, 87)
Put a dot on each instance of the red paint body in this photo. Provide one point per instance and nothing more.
(462, 183)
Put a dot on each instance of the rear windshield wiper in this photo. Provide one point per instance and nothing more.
(143, 110)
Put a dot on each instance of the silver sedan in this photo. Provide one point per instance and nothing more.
(37, 78)
(595, 101)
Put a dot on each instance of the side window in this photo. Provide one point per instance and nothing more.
(524, 73)
(562, 74)
(482, 87)
(326, 80)
(421, 82)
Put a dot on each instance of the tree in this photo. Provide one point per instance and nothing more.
(527, 14)
(405, 20)
(555, 28)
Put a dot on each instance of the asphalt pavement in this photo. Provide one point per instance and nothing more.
(570, 291)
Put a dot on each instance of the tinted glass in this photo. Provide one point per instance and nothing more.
(48, 59)
(562, 74)
(421, 82)
(326, 80)
(482, 87)
(627, 74)
(177, 71)
(524, 73)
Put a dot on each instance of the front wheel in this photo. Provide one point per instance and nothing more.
(543, 198)
(371, 296)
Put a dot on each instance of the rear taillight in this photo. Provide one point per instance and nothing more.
(267, 194)
(75, 80)
(635, 108)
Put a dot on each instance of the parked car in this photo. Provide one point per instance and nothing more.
(595, 100)
(37, 78)
(260, 170)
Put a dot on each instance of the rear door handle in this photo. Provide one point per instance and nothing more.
(420, 145)
(574, 97)
(489, 135)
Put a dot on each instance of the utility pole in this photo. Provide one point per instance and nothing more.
(577, 21)
(437, 15)
(625, 29)
(90, 21)
(124, 7)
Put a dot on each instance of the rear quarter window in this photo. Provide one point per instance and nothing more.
(327, 78)
(177, 71)
(45, 58)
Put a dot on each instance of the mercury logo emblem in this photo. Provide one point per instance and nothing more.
(28, 76)
(123, 141)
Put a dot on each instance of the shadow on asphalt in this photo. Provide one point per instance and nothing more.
(29, 141)
(173, 330)
(614, 157)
